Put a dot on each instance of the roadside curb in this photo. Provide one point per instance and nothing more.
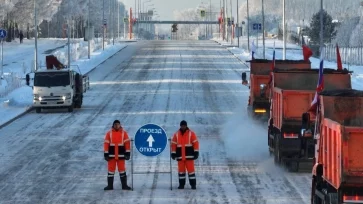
(29, 109)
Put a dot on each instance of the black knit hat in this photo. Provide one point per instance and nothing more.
(183, 122)
(116, 121)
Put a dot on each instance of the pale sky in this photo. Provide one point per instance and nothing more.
(165, 8)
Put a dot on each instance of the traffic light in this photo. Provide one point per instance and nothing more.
(174, 28)
(202, 13)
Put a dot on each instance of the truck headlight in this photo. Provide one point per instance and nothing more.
(262, 90)
(67, 96)
(37, 97)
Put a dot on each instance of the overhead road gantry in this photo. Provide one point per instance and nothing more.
(176, 22)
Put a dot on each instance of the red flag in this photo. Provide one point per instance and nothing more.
(339, 60)
(307, 52)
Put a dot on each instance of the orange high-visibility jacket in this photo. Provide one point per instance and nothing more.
(117, 144)
(184, 145)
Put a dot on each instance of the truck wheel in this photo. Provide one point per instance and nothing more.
(293, 166)
(317, 200)
(333, 198)
(38, 110)
(277, 153)
(70, 108)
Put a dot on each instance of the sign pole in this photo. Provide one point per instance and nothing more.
(2, 61)
(171, 172)
(132, 165)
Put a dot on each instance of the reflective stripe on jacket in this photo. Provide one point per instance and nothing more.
(184, 145)
(117, 143)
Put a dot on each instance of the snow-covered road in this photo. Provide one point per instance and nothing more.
(57, 157)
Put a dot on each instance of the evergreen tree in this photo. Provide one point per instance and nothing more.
(328, 28)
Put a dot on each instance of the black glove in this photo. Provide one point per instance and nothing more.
(105, 155)
(127, 155)
(196, 155)
(173, 156)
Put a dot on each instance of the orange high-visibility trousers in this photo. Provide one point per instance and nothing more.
(111, 164)
(186, 165)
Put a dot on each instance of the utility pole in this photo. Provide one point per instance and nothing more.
(89, 30)
(103, 23)
(263, 28)
(321, 27)
(35, 36)
(283, 30)
(238, 25)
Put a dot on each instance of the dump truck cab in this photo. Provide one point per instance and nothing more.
(338, 169)
(259, 103)
(291, 95)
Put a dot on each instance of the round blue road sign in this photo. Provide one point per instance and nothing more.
(2, 33)
(150, 140)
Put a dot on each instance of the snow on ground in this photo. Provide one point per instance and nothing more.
(162, 82)
(293, 52)
(15, 96)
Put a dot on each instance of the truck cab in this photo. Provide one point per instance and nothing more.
(58, 88)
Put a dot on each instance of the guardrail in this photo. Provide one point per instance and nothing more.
(86, 84)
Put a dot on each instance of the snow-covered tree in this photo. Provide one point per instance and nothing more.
(328, 27)
(20, 13)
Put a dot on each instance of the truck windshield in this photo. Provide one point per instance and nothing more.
(48, 79)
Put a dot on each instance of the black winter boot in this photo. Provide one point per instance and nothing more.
(124, 183)
(192, 181)
(109, 184)
(181, 180)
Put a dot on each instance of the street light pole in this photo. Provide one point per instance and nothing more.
(263, 28)
(283, 30)
(69, 33)
(248, 28)
(35, 37)
(89, 30)
(103, 23)
(118, 20)
(321, 27)
(238, 25)
(112, 7)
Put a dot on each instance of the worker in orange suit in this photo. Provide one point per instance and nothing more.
(185, 149)
(116, 151)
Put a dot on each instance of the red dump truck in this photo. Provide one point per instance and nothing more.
(338, 170)
(292, 94)
(258, 103)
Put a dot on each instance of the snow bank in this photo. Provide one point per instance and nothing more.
(79, 50)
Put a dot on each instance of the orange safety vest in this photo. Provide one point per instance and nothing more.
(116, 144)
(184, 145)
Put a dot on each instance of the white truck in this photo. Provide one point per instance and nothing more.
(62, 87)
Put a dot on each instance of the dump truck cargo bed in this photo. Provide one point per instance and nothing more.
(338, 172)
